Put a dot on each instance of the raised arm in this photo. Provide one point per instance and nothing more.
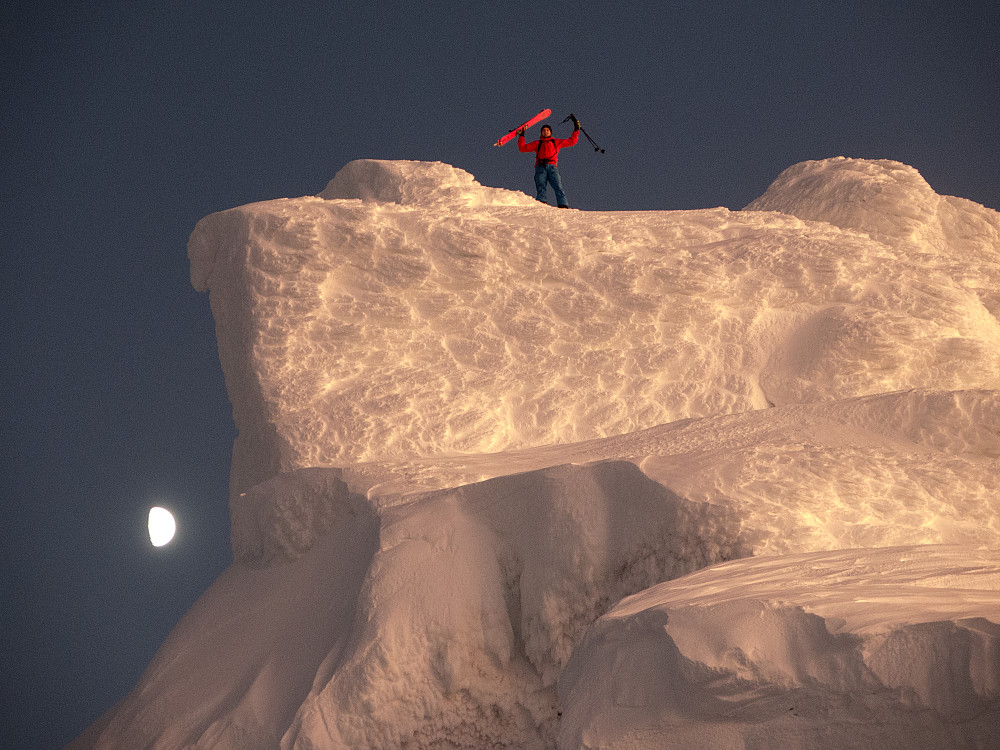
(571, 141)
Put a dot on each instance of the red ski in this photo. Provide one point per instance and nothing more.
(537, 118)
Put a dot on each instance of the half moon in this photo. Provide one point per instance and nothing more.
(161, 526)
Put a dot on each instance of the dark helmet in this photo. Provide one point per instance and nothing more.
(549, 128)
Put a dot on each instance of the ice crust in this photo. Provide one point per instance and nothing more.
(508, 476)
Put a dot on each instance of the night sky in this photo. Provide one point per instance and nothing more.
(125, 123)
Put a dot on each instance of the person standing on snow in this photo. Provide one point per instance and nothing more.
(546, 150)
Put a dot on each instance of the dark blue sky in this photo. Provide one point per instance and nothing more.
(125, 123)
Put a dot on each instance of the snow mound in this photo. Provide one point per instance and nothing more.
(798, 651)
(891, 202)
(883, 198)
(360, 331)
(416, 183)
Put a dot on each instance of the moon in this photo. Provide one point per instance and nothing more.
(161, 526)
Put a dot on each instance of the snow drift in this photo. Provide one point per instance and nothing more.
(513, 477)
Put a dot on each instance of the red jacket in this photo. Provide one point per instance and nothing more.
(547, 149)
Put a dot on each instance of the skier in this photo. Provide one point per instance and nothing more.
(546, 150)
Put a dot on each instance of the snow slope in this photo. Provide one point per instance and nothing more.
(514, 477)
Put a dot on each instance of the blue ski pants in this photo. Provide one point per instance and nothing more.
(548, 173)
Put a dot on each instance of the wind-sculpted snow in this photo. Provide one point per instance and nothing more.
(521, 567)
(893, 203)
(798, 651)
(386, 325)
(513, 477)
(884, 199)
(463, 586)
(902, 468)
(440, 614)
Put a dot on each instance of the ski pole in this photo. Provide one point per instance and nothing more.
(592, 141)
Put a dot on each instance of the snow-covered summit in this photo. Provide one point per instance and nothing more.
(436, 316)
(512, 477)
